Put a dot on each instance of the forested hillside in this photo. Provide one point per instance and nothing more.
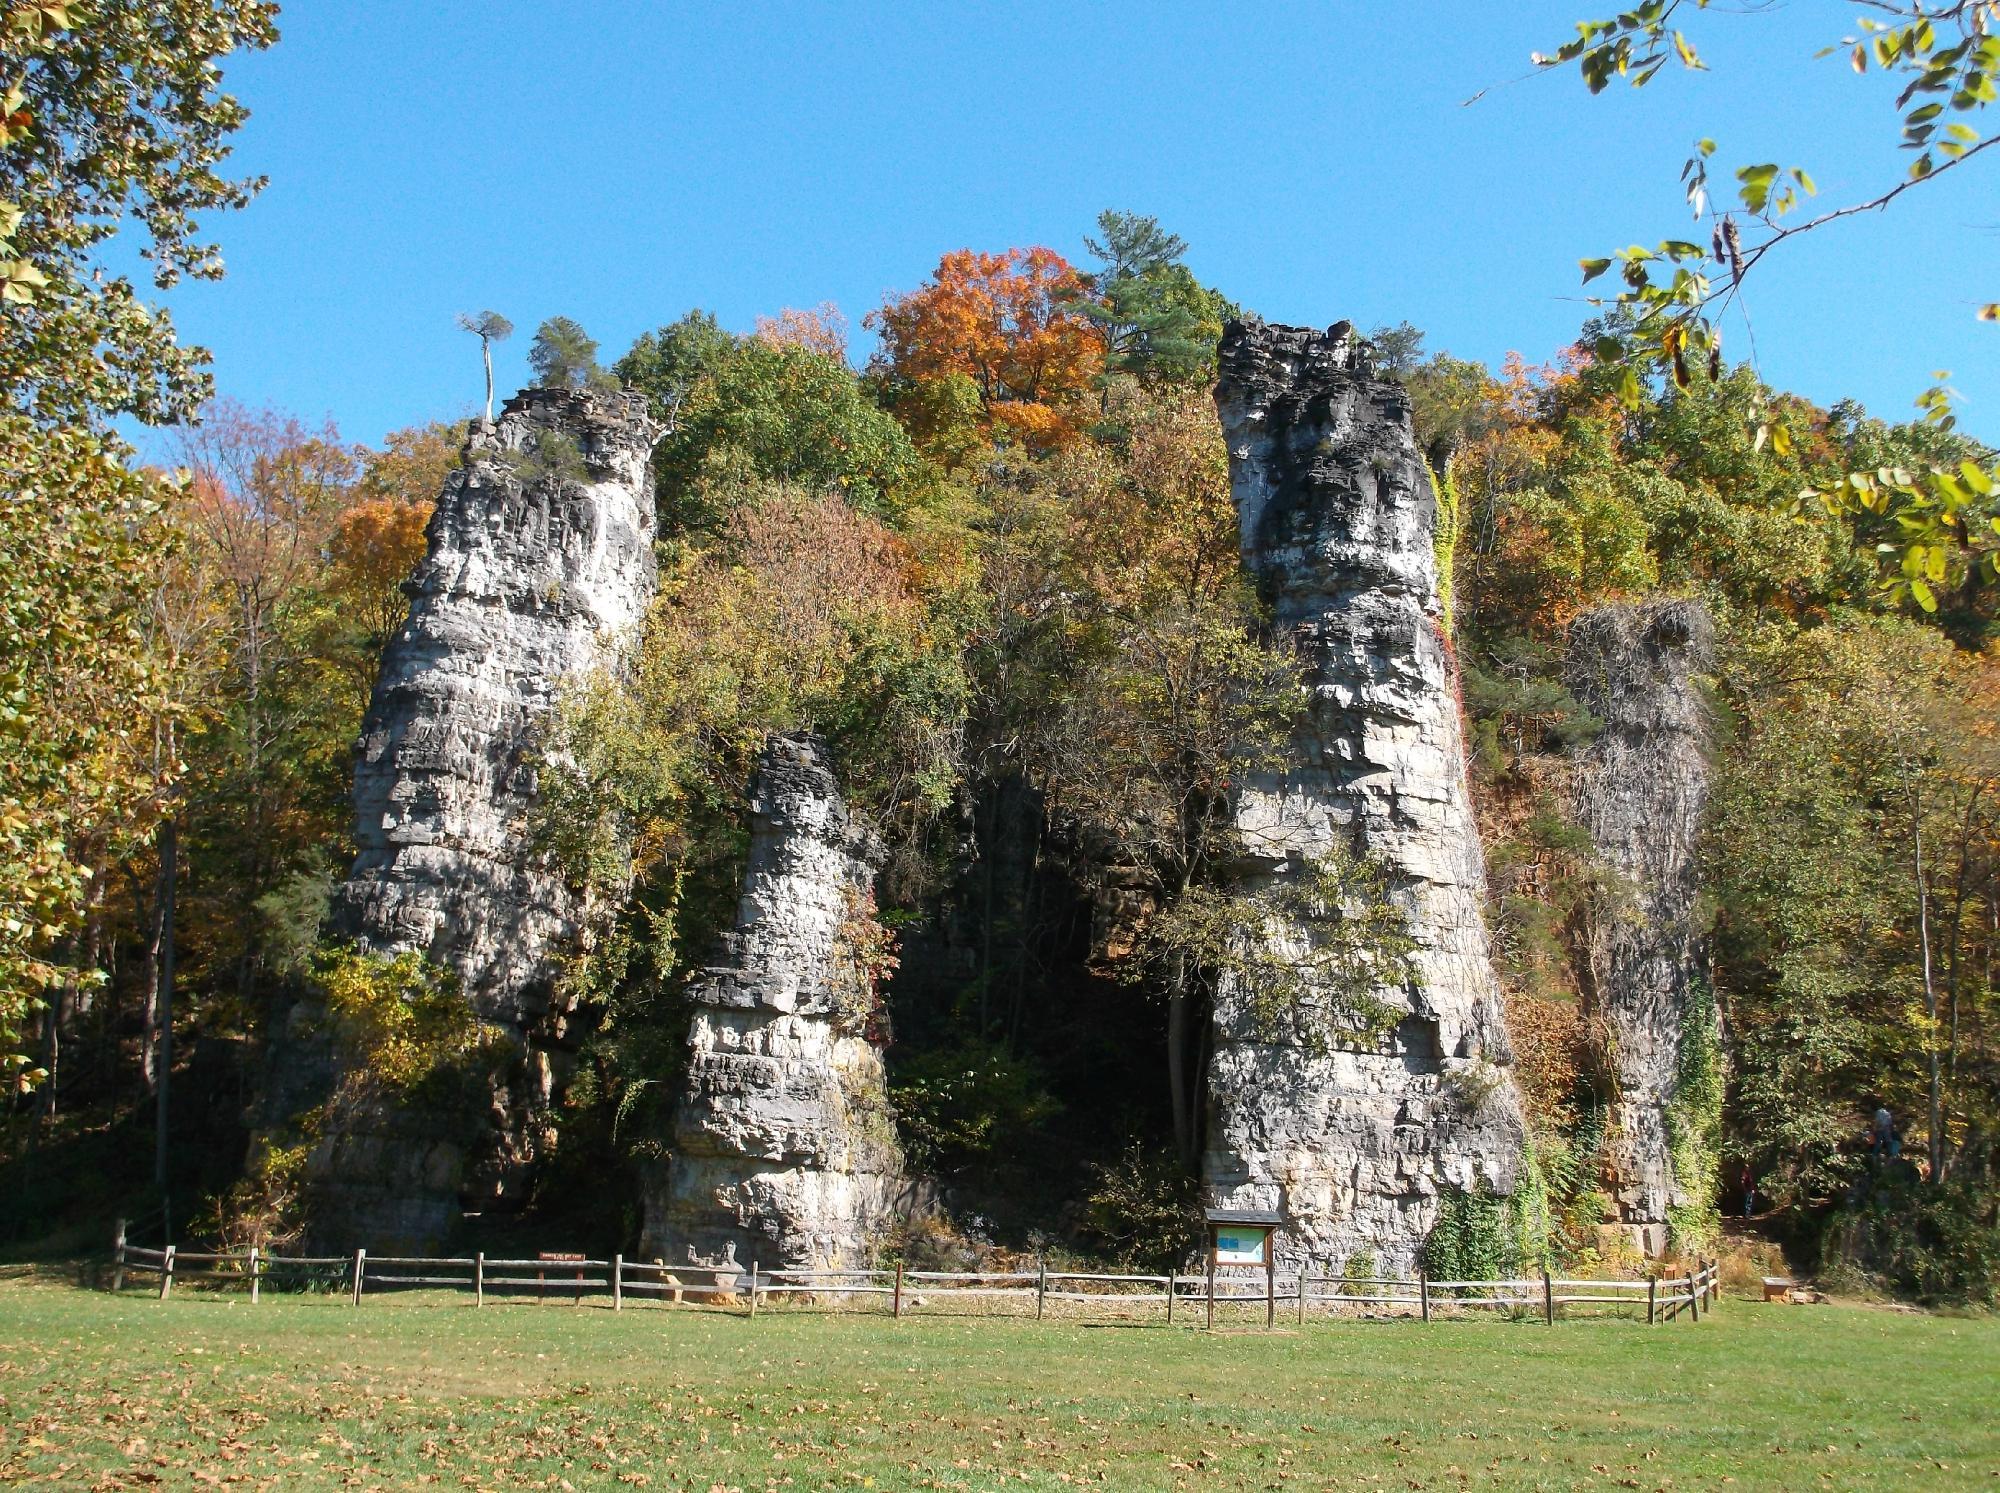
(987, 551)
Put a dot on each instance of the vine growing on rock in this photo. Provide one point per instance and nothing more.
(1694, 1125)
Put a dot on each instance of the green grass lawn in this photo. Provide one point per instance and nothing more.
(294, 1393)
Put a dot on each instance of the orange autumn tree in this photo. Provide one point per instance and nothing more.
(997, 340)
(378, 537)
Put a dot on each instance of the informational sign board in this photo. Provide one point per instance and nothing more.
(1241, 1243)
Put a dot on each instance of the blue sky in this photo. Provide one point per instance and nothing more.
(620, 162)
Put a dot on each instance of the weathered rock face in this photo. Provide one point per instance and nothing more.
(1640, 786)
(533, 579)
(1336, 514)
(784, 1149)
(539, 569)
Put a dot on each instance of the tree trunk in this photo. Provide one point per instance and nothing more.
(1179, 1079)
(147, 915)
(52, 1015)
(486, 352)
(1936, 1146)
(163, 1042)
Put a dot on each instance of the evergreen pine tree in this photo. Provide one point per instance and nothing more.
(1159, 323)
(564, 356)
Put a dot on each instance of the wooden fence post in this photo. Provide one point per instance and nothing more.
(1041, 1285)
(360, 1270)
(1548, 1298)
(118, 1261)
(1652, 1299)
(1173, 1284)
(1211, 1288)
(1424, 1294)
(253, 1275)
(479, 1279)
(753, 1290)
(167, 1273)
(896, 1301)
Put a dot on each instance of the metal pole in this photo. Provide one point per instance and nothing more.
(167, 1273)
(1041, 1285)
(360, 1270)
(618, 1283)
(896, 1302)
(1548, 1298)
(479, 1279)
(1652, 1299)
(1304, 1278)
(753, 1290)
(253, 1275)
(1211, 1286)
(1424, 1294)
(1172, 1285)
(1270, 1285)
(118, 1268)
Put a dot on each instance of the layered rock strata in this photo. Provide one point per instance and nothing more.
(538, 571)
(1640, 786)
(784, 1150)
(1355, 1140)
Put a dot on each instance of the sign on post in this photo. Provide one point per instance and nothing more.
(1242, 1236)
(1241, 1243)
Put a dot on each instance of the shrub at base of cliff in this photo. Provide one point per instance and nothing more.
(1939, 1245)
(971, 1105)
(1145, 1212)
(1475, 1238)
(1694, 1126)
(1547, 1222)
(409, 1045)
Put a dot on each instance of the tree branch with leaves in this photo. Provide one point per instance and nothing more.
(1673, 295)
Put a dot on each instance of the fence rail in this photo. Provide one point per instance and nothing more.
(1690, 1293)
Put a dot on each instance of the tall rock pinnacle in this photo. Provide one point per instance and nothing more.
(539, 569)
(1336, 513)
(1640, 788)
(784, 1150)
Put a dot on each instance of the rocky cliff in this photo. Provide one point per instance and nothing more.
(784, 1150)
(538, 570)
(1640, 786)
(1336, 514)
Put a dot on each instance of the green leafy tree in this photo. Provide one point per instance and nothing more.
(745, 410)
(1944, 62)
(113, 120)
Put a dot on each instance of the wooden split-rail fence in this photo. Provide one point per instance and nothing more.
(1691, 1293)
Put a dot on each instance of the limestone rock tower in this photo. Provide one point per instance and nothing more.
(538, 571)
(784, 1150)
(1336, 512)
(1640, 787)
